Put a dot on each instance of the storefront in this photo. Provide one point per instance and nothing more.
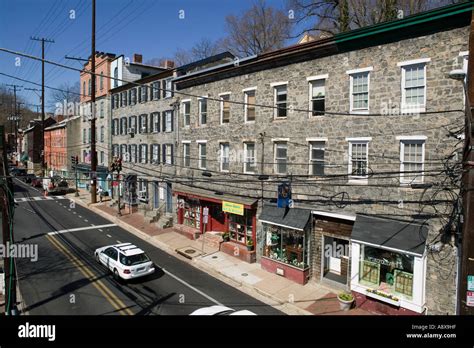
(389, 262)
(234, 216)
(286, 242)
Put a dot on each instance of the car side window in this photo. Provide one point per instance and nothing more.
(113, 254)
(123, 259)
(108, 252)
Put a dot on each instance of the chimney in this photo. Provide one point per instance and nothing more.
(168, 64)
(137, 58)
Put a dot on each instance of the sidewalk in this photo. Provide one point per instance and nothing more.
(279, 292)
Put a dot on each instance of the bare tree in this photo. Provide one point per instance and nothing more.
(204, 48)
(66, 93)
(260, 29)
(336, 16)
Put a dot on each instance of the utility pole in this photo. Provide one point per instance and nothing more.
(43, 40)
(93, 81)
(467, 251)
(14, 117)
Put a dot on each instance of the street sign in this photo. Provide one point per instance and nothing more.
(205, 215)
(470, 299)
(470, 283)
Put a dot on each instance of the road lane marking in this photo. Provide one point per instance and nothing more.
(109, 236)
(80, 229)
(35, 199)
(119, 241)
(97, 283)
(101, 230)
(86, 220)
(191, 287)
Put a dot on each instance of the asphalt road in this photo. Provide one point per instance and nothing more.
(67, 280)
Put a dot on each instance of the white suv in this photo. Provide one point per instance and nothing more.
(125, 260)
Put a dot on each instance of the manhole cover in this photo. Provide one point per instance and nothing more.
(244, 274)
(214, 257)
(190, 251)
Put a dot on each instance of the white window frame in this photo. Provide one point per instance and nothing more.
(246, 157)
(168, 117)
(155, 153)
(185, 102)
(168, 160)
(200, 144)
(275, 86)
(311, 160)
(200, 100)
(358, 178)
(143, 156)
(221, 95)
(186, 154)
(351, 74)
(406, 139)
(221, 159)
(275, 146)
(404, 65)
(310, 80)
(246, 91)
(154, 117)
(168, 88)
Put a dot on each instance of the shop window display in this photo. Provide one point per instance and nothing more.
(387, 271)
(192, 215)
(240, 227)
(286, 245)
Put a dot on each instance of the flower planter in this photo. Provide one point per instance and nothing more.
(345, 305)
(383, 298)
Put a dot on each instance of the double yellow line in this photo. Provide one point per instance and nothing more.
(98, 284)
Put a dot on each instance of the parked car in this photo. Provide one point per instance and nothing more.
(37, 182)
(18, 172)
(28, 178)
(125, 261)
(221, 310)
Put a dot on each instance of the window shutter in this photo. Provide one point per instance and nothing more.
(145, 97)
(172, 89)
(145, 122)
(163, 121)
(159, 121)
(151, 92)
(151, 154)
(163, 84)
(172, 154)
(163, 150)
(172, 120)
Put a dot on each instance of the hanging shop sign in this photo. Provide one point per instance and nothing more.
(284, 196)
(233, 208)
(470, 299)
(470, 282)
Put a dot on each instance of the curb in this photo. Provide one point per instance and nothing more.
(195, 262)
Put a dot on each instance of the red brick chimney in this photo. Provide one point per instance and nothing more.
(137, 58)
(168, 64)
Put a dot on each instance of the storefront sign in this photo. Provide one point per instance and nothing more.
(470, 282)
(284, 196)
(205, 215)
(233, 208)
(470, 299)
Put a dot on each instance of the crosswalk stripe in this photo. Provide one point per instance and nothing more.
(38, 199)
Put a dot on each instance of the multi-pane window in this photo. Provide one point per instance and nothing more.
(317, 96)
(133, 124)
(202, 155)
(115, 150)
(90, 135)
(249, 106)
(202, 111)
(90, 87)
(250, 165)
(102, 80)
(155, 153)
(123, 126)
(144, 94)
(155, 122)
(186, 154)
(143, 153)
(133, 97)
(358, 158)
(124, 98)
(411, 161)
(102, 157)
(414, 86)
(169, 88)
(168, 154)
(124, 153)
(168, 121)
(316, 159)
(101, 109)
(115, 77)
(133, 153)
(225, 108)
(143, 123)
(360, 91)
(186, 113)
(102, 134)
(156, 90)
(224, 157)
(281, 98)
(281, 157)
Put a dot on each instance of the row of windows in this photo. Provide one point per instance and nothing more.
(154, 123)
(87, 134)
(86, 157)
(143, 153)
(412, 155)
(99, 110)
(143, 94)
(413, 91)
(100, 83)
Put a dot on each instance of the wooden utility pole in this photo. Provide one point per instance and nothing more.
(14, 117)
(93, 139)
(43, 40)
(467, 251)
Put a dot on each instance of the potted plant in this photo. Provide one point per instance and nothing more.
(345, 301)
(226, 237)
(249, 244)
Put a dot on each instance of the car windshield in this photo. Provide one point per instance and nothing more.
(133, 259)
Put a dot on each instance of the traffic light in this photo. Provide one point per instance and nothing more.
(74, 159)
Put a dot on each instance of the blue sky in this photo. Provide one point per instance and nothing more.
(150, 27)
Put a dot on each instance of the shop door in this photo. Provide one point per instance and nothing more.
(169, 198)
(217, 218)
(156, 195)
(335, 259)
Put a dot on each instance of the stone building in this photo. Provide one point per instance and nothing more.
(363, 130)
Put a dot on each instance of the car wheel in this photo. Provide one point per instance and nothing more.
(116, 274)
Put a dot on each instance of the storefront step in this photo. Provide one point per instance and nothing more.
(188, 232)
(238, 250)
(212, 239)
